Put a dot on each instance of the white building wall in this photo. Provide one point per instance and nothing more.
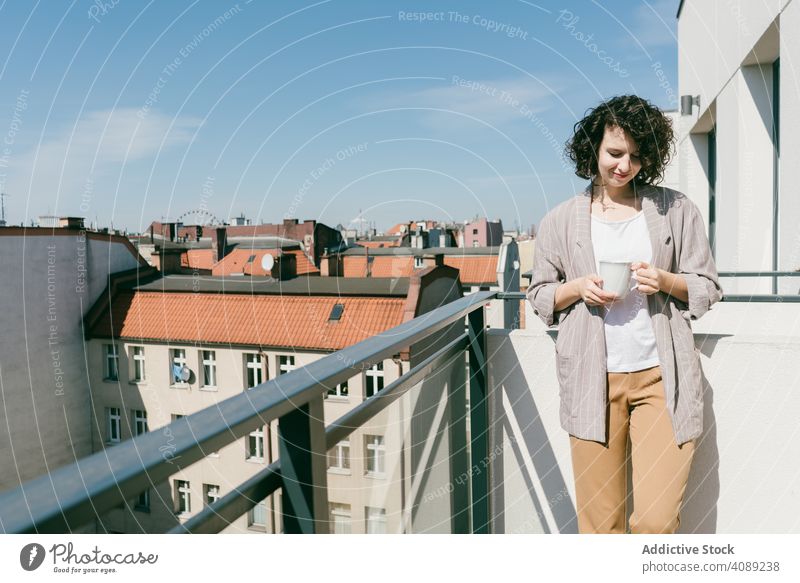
(727, 52)
(714, 38)
(789, 206)
(745, 177)
(231, 467)
(744, 475)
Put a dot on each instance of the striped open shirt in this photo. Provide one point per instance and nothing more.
(564, 252)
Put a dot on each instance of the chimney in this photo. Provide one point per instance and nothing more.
(219, 242)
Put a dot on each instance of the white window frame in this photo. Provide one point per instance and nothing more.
(139, 422)
(339, 458)
(251, 515)
(257, 454)
(113, 425)
(375, 520)
(419, 262)
(253, 361)
(286, 363)
(208, 366)
(183, 497)
(375, 448)
(344, 512)
(138, 370)
(337, 394)
(174, 359)
(211, 494)
(373, 375)
(111, 359)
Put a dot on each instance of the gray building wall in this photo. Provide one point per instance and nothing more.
(50, 278)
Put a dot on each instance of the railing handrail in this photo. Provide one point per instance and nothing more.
(74, 494)
(759, 274)
(218, 515)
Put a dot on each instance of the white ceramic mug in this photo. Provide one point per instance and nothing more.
(616, 277)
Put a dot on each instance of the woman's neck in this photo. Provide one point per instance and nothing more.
(609, 194)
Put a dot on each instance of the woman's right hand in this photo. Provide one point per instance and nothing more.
(591, 291)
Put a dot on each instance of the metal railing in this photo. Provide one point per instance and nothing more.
(773, 297)
(75, 495)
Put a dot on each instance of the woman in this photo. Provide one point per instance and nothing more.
(627, 367)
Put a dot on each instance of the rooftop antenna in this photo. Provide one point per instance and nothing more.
(3, 196)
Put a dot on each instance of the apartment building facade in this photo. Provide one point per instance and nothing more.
(164, 350)
(737, 147)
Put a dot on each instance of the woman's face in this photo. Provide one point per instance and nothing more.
(618, 159)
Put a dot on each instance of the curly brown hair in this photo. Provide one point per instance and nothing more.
(642, 121)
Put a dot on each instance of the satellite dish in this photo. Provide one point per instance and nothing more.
(186, 373)
(267, 262)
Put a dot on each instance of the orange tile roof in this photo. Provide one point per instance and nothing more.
(235, 262)
(382, 266)
(257, 320)
(378, 244)
(198, 259)
(398, 229)
(476, 269)
(304, 264)
(354, 266)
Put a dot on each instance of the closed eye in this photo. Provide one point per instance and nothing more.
(618, 154)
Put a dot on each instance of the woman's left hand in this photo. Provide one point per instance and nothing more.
(650, 279)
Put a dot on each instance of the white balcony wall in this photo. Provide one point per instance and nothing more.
(745, 476)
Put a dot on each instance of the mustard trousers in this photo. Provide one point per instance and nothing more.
(660, 468)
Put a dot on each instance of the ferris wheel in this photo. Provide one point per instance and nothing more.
(199, 217)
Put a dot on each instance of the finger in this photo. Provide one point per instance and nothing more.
(595, 301)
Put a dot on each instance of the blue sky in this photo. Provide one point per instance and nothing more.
(126, 112)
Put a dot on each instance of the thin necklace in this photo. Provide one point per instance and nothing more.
(604, 205)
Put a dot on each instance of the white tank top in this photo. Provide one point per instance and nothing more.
(630, 341)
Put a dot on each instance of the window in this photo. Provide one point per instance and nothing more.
(474, 231)
(336, 312)
(285, 364)
(209, 368)
(113, 425)
(254, 370)
(178, 363)
(374, 377)
(183, 497)
(255, 445)
(339, 457)
(375, 453)
(137, 353)
(419, 262)
(341, 391)
(340, 518)
(143, 501)
(210, 493)
(138, 422)
(112, 362)
(257, 516)
(376, 520)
